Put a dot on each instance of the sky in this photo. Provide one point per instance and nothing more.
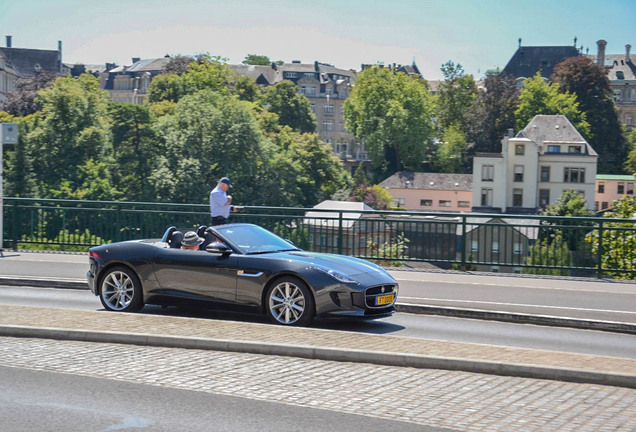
(479, 35)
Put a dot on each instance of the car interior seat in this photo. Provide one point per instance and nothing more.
(208, 237)
(175, 239)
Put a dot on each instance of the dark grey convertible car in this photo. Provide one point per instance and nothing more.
(240, 265)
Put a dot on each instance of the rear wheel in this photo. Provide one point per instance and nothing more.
(290, 302)
(120, 290)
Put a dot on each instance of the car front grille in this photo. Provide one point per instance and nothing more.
(378, 296)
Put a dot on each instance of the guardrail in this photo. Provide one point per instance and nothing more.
(484, 242)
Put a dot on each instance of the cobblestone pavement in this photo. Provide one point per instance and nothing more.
(441, 398)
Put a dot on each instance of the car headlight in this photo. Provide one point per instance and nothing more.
(337, 276)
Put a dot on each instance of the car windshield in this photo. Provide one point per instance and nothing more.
(252, 239)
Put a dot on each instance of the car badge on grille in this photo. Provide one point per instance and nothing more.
(382, 290)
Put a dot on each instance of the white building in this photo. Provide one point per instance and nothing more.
(534, 168)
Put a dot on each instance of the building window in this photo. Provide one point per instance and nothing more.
(486, 197)
(444, 203)
(520, 149)
(329, 109)
(308, 90)
(327, 126)
(291, 75)
(487, 172)
(494, 269)
(617, 95)
(574, 175)
(426, 203)
(329, 91)
(544, 198)
(308, 75)
(518, 173)
(595, 205)
(554, 149)
(517, 197)
(630, 189)
(474, 246)
(603, 205)
(621, 188)
(342, 148)
(463, 204)
(495, 247)
(517, 248)
(601, 188)
(399, 202)
(545, 173)
(574, 149)
(620, 75)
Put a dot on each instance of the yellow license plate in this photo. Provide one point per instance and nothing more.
(385, 299)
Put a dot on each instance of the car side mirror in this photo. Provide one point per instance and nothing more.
(218, 247)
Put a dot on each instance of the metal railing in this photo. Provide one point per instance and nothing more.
(467, 241)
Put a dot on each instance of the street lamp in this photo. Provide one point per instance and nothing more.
(8, 135)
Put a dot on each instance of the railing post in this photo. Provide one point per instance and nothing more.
(15, 225)
(340, 232)
(599, 254)
(462, 243)
(118, 222)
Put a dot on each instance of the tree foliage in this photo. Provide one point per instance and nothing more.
(72, 128)
(393, 114)
(293, 109)
(587, 80)
(618, 239)
(539, 97)
(451, 154)
(492, 114)
(455, 94)
(22, 102)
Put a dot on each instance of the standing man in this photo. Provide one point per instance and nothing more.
(220, 202)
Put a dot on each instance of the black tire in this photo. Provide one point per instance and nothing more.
(289, 302)
(120, 290)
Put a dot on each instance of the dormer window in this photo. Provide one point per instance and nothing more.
(554, 149)
(574, 149)
(620, 75)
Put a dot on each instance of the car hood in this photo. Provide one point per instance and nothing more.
(346, 265)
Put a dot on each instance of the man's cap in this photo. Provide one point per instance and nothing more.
(226, 181)
(191, 239)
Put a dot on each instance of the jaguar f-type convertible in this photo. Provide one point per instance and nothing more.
(244, 266)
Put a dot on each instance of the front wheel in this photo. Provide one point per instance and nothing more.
(290, 302)
(120, 290)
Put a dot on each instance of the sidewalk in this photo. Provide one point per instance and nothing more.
(207, 334)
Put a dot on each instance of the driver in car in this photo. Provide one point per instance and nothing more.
(191, 241)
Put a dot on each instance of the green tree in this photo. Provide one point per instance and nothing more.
(539, 97)
(245, 88)
(292, 108)
(570, 204)
(134, 150)
(492, 114)
(455, 94)
(302, 171)
(72, 128)
(450, 156)
(393, 114)
(630, 163)
(19, 178)
(588, 81)
(551, 252)
(209, 135)
(255, 59)
(619, 239)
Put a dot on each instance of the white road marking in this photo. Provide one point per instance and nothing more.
(515, 304)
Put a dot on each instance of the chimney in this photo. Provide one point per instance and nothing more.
(600, 58)
(628, 57)
(8, 38)
(59, 46)
(511, 133)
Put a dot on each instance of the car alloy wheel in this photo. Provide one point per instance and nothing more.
(290, 302)
(121, 290)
